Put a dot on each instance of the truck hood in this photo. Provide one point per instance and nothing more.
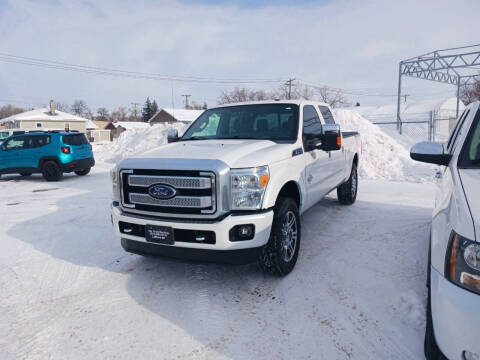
(235, 153)
(471, 186)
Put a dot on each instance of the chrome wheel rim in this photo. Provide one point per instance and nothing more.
(289, 236)
(354, 184)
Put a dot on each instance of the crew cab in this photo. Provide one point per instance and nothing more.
(453, 276)
(232, 188)
(51, 153)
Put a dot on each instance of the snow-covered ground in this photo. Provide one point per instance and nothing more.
(69, 291)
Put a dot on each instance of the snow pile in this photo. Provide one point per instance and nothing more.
(382, 157)
(135, 141)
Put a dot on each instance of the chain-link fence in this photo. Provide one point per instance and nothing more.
(416, 127)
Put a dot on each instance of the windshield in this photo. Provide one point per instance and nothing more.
(470, 156)
(261, 121)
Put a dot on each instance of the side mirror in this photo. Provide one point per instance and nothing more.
(331, 137)
(172, 135)
(430, 152)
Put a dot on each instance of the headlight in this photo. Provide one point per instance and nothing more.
(248, 187)
(115, 189)
(462, 265)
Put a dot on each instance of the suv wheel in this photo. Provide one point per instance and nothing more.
(280, 254)
(82, 172)
(51, 171)
(347, 192)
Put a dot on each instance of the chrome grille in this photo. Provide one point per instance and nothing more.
(196, 192)
(177, 182)
(180, 201)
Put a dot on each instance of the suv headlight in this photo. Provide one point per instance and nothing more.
(115, 189)
(462, 265)
(248, 187)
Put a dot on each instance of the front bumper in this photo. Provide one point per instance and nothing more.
(223, 250)
(456, 317)
(78, 164)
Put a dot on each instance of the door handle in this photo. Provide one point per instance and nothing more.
(309, 178)
(438, 175)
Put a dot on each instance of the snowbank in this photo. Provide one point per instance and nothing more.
(134, 141)
(382, 157)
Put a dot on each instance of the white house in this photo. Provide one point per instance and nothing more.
(45, 118)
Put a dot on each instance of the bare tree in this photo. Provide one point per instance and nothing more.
(9, 110)
(80, 108)
(102, 113)
(333, 97)
(470, 93)
(62, 107)
(241, 95)
(119, 114)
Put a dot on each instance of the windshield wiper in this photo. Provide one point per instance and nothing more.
(240, 137)
(195, 138)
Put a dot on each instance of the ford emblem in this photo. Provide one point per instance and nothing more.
(161, 192)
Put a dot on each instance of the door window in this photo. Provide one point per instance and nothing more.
(15, 143)
(327, 114)
(470, 156)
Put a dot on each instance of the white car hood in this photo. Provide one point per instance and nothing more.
(471, 186)
(235, 153)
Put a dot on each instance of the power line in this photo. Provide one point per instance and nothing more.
(50, 64)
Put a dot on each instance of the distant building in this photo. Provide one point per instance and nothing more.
(46, 119)
(116, 128)
(167, 115)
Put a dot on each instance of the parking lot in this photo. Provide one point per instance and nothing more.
(70, 291)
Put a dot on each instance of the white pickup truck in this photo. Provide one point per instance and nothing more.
(232, 188)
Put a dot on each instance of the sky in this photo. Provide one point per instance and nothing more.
(350, 44)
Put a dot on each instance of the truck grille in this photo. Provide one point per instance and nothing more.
(195, 191)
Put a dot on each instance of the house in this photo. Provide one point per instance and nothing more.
(45, 118)
(167, 115)
(116, 128)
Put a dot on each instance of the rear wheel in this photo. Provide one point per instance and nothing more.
(51, 171)
(25, 174)
(280, 254)
(82, 172)
(347, 192)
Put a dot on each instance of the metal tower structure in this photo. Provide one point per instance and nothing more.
(456, 66)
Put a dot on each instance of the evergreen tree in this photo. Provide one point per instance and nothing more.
(147, 110)
(153, 108)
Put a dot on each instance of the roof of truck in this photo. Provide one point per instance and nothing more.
(295, 102)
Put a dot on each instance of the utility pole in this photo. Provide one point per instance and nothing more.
(135, 109)
(186, 100)
(289, 84)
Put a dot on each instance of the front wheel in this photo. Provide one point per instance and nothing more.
(347, 192)
(82, 172)
(280, 254)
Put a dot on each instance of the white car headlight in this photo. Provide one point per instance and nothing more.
(248, 187)
(115, 188)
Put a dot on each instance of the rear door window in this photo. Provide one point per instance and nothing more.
(327, 114)
(77, 139)
(39, 141)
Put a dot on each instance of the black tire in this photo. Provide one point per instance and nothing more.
(280, 254)
(51, 171)
(82, 172)
(430, 347)
(25, 174)
(347, 192)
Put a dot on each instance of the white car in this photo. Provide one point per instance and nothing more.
(453, 308)
(232, 188)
